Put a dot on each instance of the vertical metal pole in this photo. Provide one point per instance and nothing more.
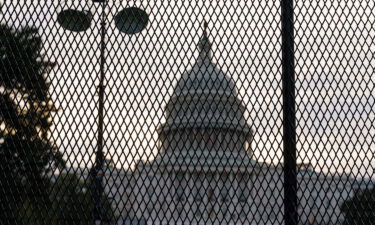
(289, 112)
(99, 173)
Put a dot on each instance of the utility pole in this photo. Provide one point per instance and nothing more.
(289, 114)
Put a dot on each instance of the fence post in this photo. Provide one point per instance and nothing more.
(289, 114)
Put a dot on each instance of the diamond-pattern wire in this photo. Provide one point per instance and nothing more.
(334, 46)
(193, 120)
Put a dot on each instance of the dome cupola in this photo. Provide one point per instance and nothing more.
(205, 97)
(205, 75)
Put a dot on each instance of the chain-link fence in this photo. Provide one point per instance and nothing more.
(202, 112)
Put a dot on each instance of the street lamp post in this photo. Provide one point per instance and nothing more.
(130, 21)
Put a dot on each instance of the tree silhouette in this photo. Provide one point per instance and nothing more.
(73, 201)
(360, 208)
(26, 153)
(27, 156)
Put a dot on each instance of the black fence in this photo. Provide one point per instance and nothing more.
(204, 112)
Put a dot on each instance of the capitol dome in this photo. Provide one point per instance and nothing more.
(204, 139)
(204, 172)
(205, 97)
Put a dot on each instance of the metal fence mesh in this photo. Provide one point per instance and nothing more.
(181, 121)
(335, 105)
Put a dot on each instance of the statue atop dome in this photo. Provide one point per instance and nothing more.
(204, 44)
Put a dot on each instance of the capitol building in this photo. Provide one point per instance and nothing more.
(205, 173)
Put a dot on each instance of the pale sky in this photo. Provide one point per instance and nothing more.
(334, 70)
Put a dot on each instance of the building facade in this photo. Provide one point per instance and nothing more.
(204, 172)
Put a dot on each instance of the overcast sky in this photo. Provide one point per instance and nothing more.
(334, 71)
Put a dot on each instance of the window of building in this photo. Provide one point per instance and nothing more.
(217, 83)
(206, 138)
(213, 139)
(243, 191)
(184, 141)
(198, 212)
(210, 187)
(227, 140)
(231, 145)
(221, 140)
(311, 201)
(180, 194)
(180, 210)
(243, 213)
(199, 190)
(328, 202)
(150, 191)
(181, 183)
(192, 109)
(207, 108)
(220, 108)
(211, 194)
(211, 212)
(193, 138)
(273, 215)
(224, 194)
(150, 208)
(224, 211)
(242, 197)
(234, 141)
(234, 216)
(199, 195)
(195, 83)
(199, 108)
(224, 187)
(199, 137)
(240, 141)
